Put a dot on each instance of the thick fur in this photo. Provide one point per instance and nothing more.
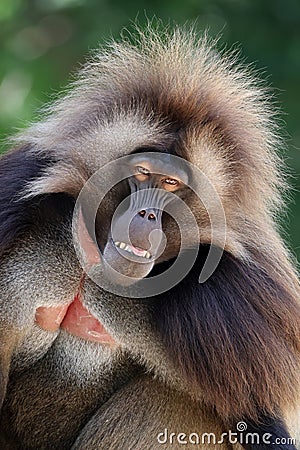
(230, 348)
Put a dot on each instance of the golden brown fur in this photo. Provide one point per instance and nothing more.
(173, 91)
(144, 94)
(223, 124)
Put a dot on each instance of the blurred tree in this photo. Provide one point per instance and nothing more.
(41, 41)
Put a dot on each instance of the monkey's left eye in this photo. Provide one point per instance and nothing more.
(142, 173)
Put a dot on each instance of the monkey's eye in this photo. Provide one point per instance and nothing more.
(170, 184)
(142, 173)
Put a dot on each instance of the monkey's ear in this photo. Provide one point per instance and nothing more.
(17, 169)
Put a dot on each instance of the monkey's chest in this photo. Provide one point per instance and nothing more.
(76, 320)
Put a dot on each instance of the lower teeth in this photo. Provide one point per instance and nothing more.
(125, 247)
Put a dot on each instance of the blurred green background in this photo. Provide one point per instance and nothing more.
(42, 41)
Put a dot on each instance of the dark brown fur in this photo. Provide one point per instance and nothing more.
(244, 338)
(200, 356)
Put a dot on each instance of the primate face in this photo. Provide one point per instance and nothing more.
(146, 208)
(138, 229)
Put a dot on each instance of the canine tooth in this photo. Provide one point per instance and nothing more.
(147, 255)
(128, 249)
(117, 244)
(122, 245)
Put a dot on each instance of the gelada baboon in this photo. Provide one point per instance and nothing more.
(85, 367)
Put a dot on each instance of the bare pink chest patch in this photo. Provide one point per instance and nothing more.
(75, 319)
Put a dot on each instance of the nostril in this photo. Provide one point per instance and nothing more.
(151, 216)
(142, 213)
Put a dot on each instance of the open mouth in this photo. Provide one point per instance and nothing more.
(133, 250)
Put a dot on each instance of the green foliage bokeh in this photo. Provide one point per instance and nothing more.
(43, 41)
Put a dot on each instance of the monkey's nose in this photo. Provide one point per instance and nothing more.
(150, 215)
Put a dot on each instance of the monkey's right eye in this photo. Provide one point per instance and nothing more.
(142, 173)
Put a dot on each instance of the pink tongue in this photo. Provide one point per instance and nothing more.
(76, 320)
(137, 251)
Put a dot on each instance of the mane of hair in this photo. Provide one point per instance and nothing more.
(176, 87)
(234, 338)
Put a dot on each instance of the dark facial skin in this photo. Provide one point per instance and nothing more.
(136, 238)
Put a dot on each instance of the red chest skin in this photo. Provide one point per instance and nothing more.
(75, 319)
